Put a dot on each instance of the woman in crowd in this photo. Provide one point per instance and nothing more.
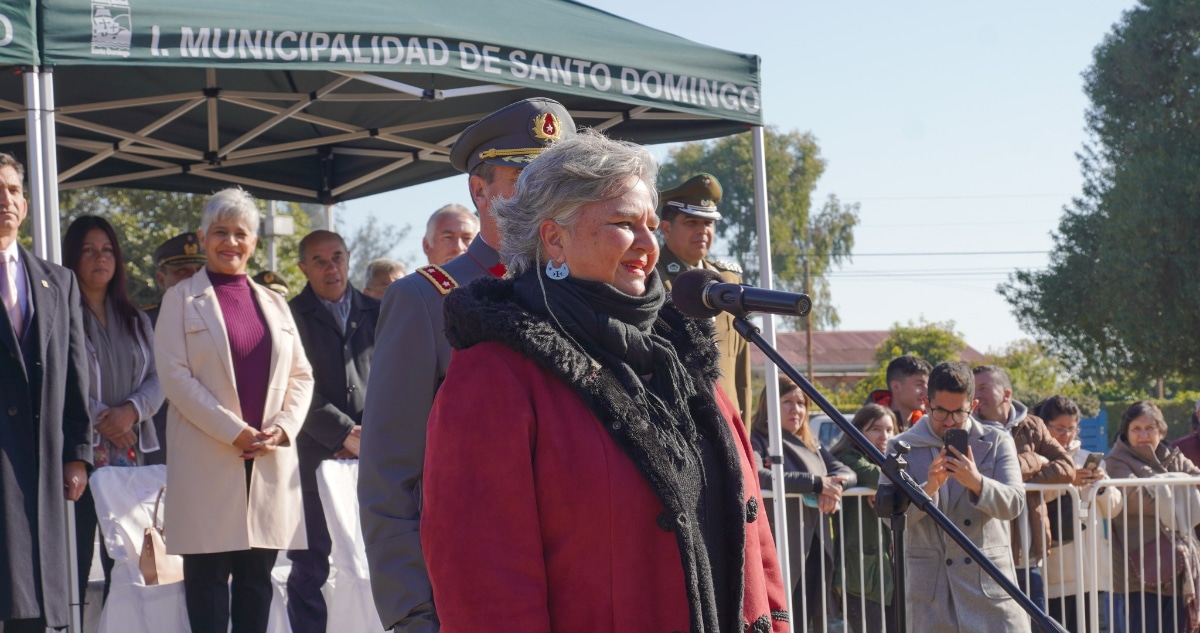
(1159, 585)
(1061, 416)
(582, 471)
(866, 543)
(811, 470)
(239, 387)
(124, 390)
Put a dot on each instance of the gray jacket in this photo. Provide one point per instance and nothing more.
(938, 572)
(411, 357)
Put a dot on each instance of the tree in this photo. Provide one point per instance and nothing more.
(1121, 298)
(935, 342)
(1036, 376)
(794, 165)
(373, 240)
(145, 219)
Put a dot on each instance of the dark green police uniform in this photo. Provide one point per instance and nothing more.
(274, 281)
(181, 249)
(698, 197)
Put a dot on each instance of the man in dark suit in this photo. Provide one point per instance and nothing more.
(45, 431)
(337, 327)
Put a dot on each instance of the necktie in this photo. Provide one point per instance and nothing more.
(8, 293)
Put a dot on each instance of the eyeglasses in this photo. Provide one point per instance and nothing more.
(939, 414)
(1071, 432)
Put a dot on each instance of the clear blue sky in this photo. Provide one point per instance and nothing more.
(954, 125)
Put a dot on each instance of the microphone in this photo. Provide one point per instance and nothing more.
(701, 293)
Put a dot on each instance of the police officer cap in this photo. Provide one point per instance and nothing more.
(698, 196)
(272, 280)
(181, 249)
(513, 135)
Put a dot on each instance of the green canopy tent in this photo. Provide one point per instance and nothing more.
(325, 102)
(333, 101)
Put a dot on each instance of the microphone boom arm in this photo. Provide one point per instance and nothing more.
(902, 482)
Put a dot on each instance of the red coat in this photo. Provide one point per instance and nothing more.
(535, 520)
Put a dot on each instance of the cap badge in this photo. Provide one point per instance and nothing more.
(190, 249)
(545, 127)
(269, 278)
(673, 267)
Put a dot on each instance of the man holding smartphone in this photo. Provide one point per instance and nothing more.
(979, 491)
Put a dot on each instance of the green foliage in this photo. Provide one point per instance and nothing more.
(935, 342)
(1036, 376)
(145, 219)
(1120, 301)
(794, 165)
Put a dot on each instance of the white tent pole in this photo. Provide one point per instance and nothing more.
(50, 171)
(33, 159)
(46, 246)
(771, 374)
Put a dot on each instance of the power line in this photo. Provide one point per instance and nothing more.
(980, 197)
(956, 254)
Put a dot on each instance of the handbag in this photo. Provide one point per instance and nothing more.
(1159, 562)
(156, 566)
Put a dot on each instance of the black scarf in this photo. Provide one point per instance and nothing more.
(617, 330)
(658, 423)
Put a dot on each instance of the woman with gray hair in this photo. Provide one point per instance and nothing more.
(583, 471)
(1156, 567)
(239, 386)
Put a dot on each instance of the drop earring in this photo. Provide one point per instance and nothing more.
(557, 273)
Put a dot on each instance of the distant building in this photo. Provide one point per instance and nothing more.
(839, 358)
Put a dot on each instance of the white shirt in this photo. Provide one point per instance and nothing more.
(16, 267)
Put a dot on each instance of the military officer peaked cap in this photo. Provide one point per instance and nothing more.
(181, 249)
(272, 280)
(697, 196)
(513, 135)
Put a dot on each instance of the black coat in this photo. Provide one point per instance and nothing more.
(341, 365)
(44, 423)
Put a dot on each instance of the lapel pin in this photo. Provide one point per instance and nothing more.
(45, 284)
(353, 324)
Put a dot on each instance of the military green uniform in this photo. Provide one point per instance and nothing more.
(698, 197)
(735, 351)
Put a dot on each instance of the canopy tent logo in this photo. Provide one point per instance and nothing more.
(112, 27)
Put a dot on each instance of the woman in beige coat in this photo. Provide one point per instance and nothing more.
(239, 385)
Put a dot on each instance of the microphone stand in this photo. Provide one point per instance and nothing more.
(905, 491)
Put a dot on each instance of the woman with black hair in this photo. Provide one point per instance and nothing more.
(123, 384)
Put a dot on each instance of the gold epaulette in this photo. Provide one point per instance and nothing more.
(439, 278)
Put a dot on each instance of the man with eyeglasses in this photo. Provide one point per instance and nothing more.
(980, 492)
(1043, 461)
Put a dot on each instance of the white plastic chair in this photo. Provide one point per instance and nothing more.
(348, 591)
(124, 506)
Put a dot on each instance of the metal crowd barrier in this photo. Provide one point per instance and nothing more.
(1101, 538)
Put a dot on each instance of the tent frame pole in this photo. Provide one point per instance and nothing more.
(42, 165)
(774, 430)
(50, 167)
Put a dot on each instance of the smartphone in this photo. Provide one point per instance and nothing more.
(1093, 460)
(956, 438)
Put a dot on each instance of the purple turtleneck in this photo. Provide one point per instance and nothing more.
(249, 343)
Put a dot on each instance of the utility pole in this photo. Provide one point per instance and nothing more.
(808, 322)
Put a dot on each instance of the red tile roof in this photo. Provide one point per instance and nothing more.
(838, 352)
